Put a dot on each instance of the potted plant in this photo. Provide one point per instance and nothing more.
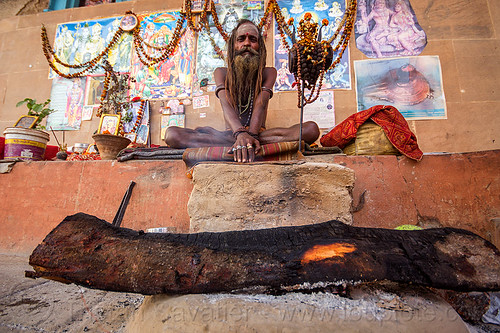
(39, 110)
(114, 106)
(27, 140)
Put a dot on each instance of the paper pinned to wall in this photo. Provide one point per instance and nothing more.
(87, 112)
(201, 102)
(322, 111)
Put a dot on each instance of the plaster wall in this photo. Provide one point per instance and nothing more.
(445, 190)
(464, 34)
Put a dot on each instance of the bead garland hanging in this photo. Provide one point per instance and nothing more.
(312, 56)
(344, 30)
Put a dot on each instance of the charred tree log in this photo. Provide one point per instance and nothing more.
(91, 252)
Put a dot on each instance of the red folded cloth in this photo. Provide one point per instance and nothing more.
(389, 118)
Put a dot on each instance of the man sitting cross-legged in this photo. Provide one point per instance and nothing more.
(244, 89)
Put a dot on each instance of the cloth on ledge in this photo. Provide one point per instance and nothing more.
(6, 165)
(158, 153)
(279, 151)
(389, 118)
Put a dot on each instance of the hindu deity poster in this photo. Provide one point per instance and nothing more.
(79, 42)
(388, 28)
(333, 11)
(66, 98)
(413, 85)
(172, 77)
(137, 115)
(229, 12)
(171, 120)
(94, 89)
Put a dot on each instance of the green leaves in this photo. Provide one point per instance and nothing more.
(36, 109)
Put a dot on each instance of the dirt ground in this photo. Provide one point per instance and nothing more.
(28, 305)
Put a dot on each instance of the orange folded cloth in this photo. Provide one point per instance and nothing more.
(389, 118)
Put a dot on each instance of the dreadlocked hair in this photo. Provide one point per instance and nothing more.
(231, 53)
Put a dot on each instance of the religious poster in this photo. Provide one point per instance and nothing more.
(136, 116)
(173, 106)
(413, 85)
(333, 11)
(322, 110)
(388, 29)
(142, 135)
(66, 98)
(171, 120)
(229, 13)
(172, 77)
(94, 89)
(79, 42)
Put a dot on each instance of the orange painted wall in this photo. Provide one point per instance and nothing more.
(450, 190)
(36, 196)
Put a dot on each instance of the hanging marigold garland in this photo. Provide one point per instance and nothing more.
(315, 52)
(344, 30)
(88, 66)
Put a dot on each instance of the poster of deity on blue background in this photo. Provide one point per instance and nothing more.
(333, 11)
(172, 77)
(79, 42)
(229, 13)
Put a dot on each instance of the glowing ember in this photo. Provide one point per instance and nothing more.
(321, 252)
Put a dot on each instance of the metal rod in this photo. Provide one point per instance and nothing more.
(301, 116)
(117, 221)
(60, 147)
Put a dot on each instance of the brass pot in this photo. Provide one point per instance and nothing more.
(109, 145)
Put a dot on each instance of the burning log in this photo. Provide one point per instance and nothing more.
(90, 252)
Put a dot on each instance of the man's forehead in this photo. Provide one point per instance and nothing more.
(247, 28)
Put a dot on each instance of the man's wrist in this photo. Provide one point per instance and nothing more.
(239, 131)
(254, 135)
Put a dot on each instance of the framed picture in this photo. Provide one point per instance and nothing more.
(129, 22)
(93, 89)
(26, 121)
(109, 124)
(170, 120)
(142, 135)
(131, 136)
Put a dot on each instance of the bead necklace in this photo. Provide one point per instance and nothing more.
(191, 19)
(346, 25)
(247, 108)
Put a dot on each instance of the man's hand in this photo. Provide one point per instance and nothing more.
(245, 148)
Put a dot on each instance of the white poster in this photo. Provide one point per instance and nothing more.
(322, 111)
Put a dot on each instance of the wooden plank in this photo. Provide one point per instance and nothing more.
(91, 252)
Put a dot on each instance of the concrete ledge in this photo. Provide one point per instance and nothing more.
(238, 197)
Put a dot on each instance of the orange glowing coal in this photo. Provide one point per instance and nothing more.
(329, 251)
